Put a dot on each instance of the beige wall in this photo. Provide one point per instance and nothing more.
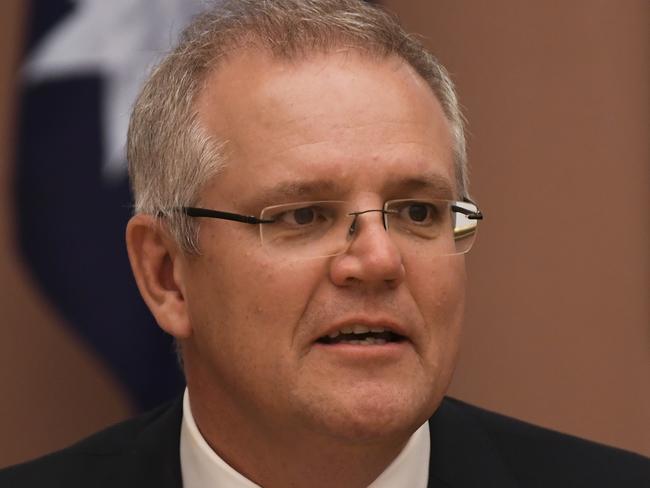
(556, 93)
(558, 319)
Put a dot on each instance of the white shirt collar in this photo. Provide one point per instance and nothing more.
(202, 467)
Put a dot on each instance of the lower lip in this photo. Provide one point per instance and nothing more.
(388, 351)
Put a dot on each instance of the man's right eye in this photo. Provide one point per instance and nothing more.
(302, 216)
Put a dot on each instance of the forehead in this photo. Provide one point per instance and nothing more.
(354, 122)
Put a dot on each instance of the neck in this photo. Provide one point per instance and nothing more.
(286, 455)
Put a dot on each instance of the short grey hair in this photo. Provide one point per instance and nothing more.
(171, 156)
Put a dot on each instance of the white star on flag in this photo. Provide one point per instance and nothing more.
(120, 40)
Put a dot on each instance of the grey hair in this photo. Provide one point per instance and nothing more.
(171, 156)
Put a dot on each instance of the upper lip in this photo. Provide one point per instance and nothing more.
(372, 323)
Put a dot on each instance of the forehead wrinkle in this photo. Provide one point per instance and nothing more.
(419, 144)
(311, 125)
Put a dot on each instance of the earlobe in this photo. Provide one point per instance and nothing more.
(156, 262)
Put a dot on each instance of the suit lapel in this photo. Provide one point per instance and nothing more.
(462, 454)
(154, 459)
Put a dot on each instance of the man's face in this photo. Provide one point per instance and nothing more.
(336, 126)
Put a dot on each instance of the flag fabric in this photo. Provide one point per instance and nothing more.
(83, 66)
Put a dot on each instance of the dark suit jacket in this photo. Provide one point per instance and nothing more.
(470, 447)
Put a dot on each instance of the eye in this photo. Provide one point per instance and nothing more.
(420, 213)
(300, 217)
(303, 216)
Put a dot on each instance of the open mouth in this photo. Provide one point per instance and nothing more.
(361, 335)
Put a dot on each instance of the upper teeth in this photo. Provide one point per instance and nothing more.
(356, 329)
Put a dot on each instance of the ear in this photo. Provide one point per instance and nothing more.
(157, 264)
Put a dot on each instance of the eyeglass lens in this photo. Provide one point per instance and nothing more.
(324, 228)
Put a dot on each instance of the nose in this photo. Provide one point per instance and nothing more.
(372, 257)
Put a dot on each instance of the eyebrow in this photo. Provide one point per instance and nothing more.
(297, 190)
(286, 191)
(434, 183)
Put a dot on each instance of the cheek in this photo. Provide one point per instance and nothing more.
(247, 297)
(276, 294)
(245, 329)
(439, 290)
(440, 296)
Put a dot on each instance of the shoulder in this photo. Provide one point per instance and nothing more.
(541, 457)
(118, 456)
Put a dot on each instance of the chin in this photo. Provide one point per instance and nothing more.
(375, 413)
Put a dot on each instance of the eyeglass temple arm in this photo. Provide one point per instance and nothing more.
(216, 214)
(471, 215)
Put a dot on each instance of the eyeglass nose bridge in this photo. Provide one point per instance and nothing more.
(353, 227)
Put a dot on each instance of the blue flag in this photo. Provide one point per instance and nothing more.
(84, 64)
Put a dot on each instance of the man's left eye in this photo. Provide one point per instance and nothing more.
(418, 212)
(421, 213)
